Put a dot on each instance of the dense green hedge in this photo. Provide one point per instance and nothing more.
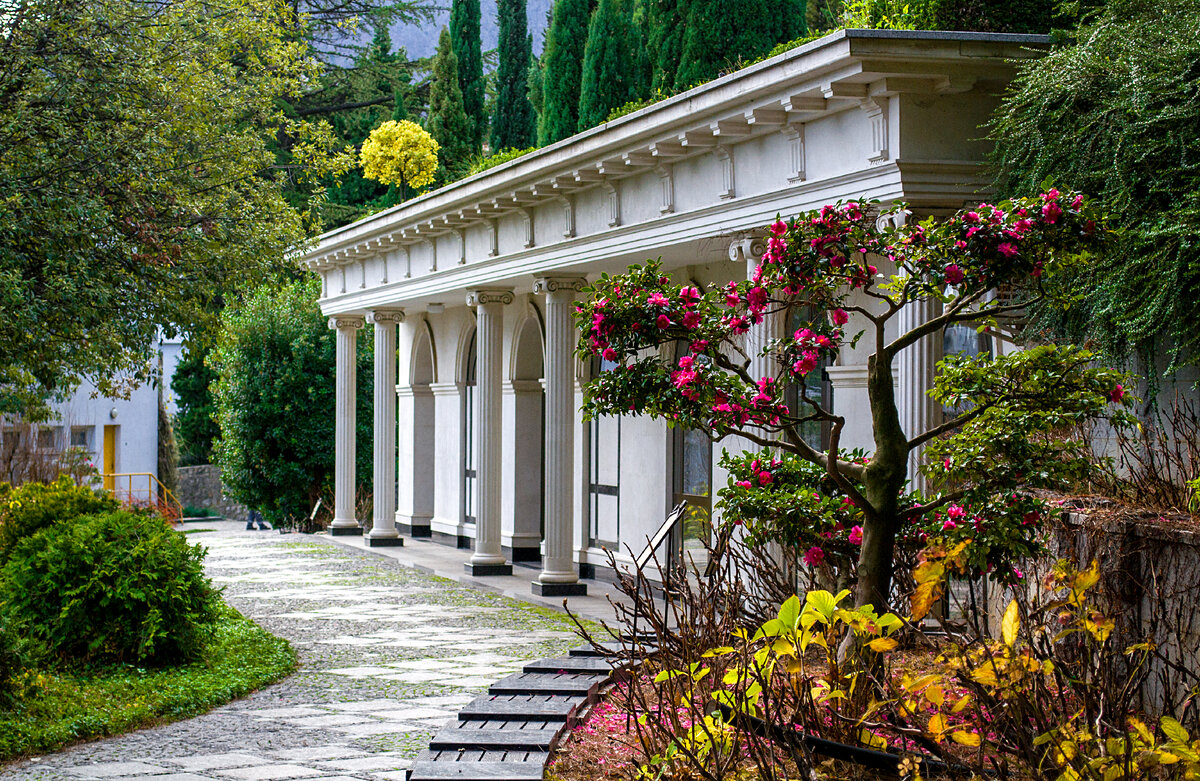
(28, 509)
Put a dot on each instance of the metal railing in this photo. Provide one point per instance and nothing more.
(143, 489)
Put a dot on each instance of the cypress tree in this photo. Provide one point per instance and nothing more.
(717, 33)
(513, 126)
(448, 121)
(664, 41)
(613, 63)
(566, 40)
(464, 38)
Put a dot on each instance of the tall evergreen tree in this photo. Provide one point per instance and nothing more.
(717, 33)
(613, 63)
(464, 38)
(513, 126)
(566, 40)
(664, 41)
(448, 121)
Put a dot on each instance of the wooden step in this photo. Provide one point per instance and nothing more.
(528, 707)
(498, 734)
(571, 684)
(582, 665)
(432, 765)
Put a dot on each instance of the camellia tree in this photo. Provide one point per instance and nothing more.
(1013, 415)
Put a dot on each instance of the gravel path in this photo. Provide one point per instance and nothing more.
(387, 655)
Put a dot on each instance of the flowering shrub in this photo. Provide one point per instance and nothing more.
(400, 153)
(837, 269)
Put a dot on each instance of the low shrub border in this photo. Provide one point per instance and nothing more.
(60, 707)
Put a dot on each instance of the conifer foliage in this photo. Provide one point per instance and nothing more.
(614, 65)
(566, 39)
(464, 37)
(448, 121)
(717, 33)
(513, 125)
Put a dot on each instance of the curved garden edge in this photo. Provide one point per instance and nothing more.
(63, 707)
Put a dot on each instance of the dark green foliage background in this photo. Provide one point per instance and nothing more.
(464, 37)
(614, 63)
(195, 428)
(1116, 114)
(118, 587)
(448, 121)
(718, 32)
(514, 125)
(562, 58)
(276, 400)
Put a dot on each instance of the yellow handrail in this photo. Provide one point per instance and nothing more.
(162, 498)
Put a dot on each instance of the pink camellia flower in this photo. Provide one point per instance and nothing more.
(954, 274)
(698, 346)
(765, 478)
(1116, 394)
(1031, 518)
(946, 463)
(691, 319)
(814, 556)
(663, 321)
(839, 317)
(732, 299)
(609, 354)
(956, 512)
(949, 525)
(1018, 574)
(855, 536)
(756, 298)
(686, 362)
(689, 294)
(971, 217)
(1051, 212)
(657, 299)
(778, 228)
(1007, 249)
(960, 244)
(742, 483)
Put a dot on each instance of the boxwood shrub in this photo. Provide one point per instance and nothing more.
(118, 587)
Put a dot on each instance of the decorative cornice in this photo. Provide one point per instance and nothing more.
(544, 285)
(341, 322)
(386, 316)
(480, 297)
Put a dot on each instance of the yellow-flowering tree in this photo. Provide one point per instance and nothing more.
(400, 153)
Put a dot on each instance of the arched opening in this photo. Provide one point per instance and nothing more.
(692, 484)
(470, 474)
(416, 417)
(604, 475)
(526, 449)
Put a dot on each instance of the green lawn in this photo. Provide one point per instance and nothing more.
(61, 707)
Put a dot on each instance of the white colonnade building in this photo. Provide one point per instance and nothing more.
(478, 438)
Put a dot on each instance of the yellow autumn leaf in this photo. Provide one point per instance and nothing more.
(881, 644)
(965, 738)
(1010, 624)
(937, 725)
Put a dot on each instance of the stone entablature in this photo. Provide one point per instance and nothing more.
(844, 115)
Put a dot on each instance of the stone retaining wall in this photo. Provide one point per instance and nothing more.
(1151, 582)
(200, 486)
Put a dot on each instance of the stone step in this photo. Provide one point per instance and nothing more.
(432, 765)
(572, 684)
(584, 665)
(503, 735)
(528, 707)
(612, 648)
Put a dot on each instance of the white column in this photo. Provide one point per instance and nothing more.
(917, 366)
(560, 576)
(488, 559)
(344, 522)
(383, 487)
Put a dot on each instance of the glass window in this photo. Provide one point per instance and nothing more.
(81, 436)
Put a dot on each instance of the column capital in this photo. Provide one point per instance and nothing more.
(343, 322)
(385, 316)
(543, 285)
(490, 296)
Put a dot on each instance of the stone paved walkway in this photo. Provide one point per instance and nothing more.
(387, 655)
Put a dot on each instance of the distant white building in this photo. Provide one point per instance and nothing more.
(471, 289)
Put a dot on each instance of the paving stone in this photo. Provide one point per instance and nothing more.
(409, 714)
(328, 720)
(286, 713)
(115, 770)
(272, 772)
(375, 762)
(317, 753)
(218, 761)
(367, 705)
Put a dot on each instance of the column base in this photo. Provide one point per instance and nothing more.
(487, 570)
(345, 531)
(559, 589)
(415, 531)
(385, 542)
